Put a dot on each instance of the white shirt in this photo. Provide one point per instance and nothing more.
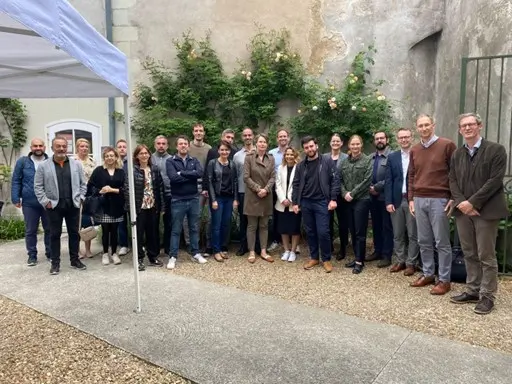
(37, 161)
(432, 140)
(472, 151)
(405, 168)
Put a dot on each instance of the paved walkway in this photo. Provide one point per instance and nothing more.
(209, 333)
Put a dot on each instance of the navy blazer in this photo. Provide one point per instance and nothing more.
(394, 179)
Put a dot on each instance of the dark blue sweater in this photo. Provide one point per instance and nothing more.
(183, 175)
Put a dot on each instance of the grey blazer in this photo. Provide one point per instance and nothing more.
(46, 186)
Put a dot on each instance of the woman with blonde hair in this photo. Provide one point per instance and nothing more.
(107, 181)
(288, 223)
(356, 177)
(259, 179)
(82, 154)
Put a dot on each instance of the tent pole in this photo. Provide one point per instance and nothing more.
(133, 214)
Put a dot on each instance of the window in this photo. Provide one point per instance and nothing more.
(73, 130)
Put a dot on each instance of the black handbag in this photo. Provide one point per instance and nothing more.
(93, 205)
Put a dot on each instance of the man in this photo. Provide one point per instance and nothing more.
(397, 204)
(60, 187)
(227, 135)
(183, 172)
(476, 183)
(23, 196)
(122, 231)
(199, 149)
(283, 140)
(159, 158)
(430, 202)
(315, 187)
(381, 220)
(239, 160)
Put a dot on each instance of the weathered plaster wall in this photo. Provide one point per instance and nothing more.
(474, 28)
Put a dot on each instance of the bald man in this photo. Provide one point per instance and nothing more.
(23, 196)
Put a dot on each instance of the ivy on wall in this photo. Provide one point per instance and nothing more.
(198, 89)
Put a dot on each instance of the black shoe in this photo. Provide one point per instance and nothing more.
(77, 264)
(484, 306)
(142, 267)
(55, 269)
(340, 256)
(358, 268)
(464, 298)
(155, 263)
(374, 256)
(31, 261)
(384, 263)
(241, 251)
(350, 264)
(208, 251)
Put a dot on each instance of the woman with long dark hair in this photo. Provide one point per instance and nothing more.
(107, 181)
(149, 198)
(356, 177)
(222, 182)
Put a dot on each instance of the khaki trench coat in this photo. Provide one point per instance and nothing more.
(258, 175)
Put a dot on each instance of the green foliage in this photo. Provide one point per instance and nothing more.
(199, 90)
(14, 116)
(351, 107)
(11, 229)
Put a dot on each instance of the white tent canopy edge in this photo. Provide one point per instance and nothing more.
(48, 50)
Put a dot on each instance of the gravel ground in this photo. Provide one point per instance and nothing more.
(35, 348)
(375, 295)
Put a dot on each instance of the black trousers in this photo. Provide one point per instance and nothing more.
(356, 213)
(343, 225)
(165, 242)
(382, 228)
(68, 212)
(147, 226)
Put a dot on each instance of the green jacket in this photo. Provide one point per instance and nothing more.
(356, 176)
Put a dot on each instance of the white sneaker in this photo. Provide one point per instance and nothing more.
(286, 255)
(292, 256)
(273, 246)
(198, 258)
(105, 259)
(172, 263)
(115, 259)
(123, 251)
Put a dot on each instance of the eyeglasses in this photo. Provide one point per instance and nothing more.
(424, 125)
(403, 137)
(469, 125)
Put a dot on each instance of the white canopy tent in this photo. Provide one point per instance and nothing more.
(48, 50)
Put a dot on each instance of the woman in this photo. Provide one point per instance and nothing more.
(288, 223)
(222, 182)
(82, 148)
(149, 198)
(356, 175)
(107, 181)
(337, 156)
(259, 178)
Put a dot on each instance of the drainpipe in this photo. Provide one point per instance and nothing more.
(111, 100)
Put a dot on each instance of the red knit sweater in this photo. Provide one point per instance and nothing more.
(429, 169)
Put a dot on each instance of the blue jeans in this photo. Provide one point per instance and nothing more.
(221, 222)
(32, 216)
(316, 217)
(180, 209)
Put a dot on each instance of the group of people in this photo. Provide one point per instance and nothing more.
(409, 195)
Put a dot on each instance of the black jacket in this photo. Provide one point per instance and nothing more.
(139, 179)
(183, 176)
(112, 203)
(213, 177)
(213, 153)
(329, 179)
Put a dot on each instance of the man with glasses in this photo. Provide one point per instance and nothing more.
(430, 202)
(395, 196)
(476, 183)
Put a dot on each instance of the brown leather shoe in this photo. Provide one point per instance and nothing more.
(409, 270)
(397, 267)
(327, 266)
(423, 281)
(441, 288)
(311, 264)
